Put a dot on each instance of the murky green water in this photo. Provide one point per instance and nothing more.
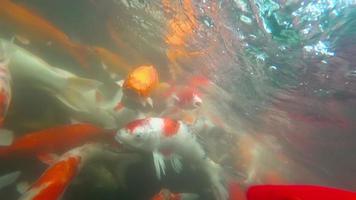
(283, 87)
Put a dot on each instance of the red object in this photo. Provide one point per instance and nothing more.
(297, 192)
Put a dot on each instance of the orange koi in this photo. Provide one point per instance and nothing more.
(51, 140)
(142, 81)
(54, 181)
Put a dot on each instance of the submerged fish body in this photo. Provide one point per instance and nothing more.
(54, 181)
(77, 93)
(168, 138)
(52, 140)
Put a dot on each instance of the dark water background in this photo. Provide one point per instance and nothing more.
(287, 70)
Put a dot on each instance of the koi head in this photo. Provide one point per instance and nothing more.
(141, 81)
(188, 98)
(141, 134)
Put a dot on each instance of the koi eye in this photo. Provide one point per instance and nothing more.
(138, 135)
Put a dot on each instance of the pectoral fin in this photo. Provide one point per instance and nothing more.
(159, 164)
(6, 137)
(176, 163)
(8, 179)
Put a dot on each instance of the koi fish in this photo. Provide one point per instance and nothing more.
(6, 136)
(142, 80)
(186, 97)
(77, 93)
(54, 181)
(140, 84)
(36, 28)
(173, 140)
(297, 192)
(165, 194)
(52, 140)
(67, 86)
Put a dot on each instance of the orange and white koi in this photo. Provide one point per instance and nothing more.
(185, 97)
(54, 181)
(167, 138)
(36, 28)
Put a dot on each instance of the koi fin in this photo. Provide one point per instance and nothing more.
(22, 187)
(120, 83)
(74, 121)
(147, 101)
(22, 39)
(48, 158)
(76, 94)
(8, 179)
(113, 102)
(215, 173)
(176, 163)
(6, 137)
(159, 164)
(83, 84)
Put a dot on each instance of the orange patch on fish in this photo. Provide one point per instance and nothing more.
(136, 123)
(170, 127)
(56, 179)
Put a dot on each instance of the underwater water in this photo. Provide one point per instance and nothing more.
(276, 82)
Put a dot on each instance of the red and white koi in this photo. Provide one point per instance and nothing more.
(185, 97)
(173, 140)
(54, 181)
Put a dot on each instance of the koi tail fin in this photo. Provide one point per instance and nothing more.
(215, 174)
(8, 179)
(6, 137)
